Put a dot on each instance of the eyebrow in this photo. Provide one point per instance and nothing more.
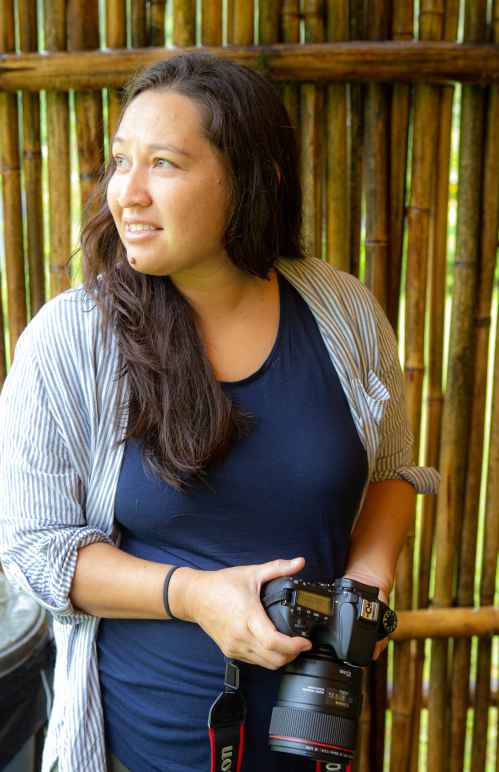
(168, 147)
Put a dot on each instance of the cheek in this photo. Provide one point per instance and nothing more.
(112, 196)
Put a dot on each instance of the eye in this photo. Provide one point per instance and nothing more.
(121, 162)
(162, 161)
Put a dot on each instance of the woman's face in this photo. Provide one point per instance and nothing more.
(168, 194)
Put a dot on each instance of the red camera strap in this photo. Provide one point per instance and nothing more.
(226, 724)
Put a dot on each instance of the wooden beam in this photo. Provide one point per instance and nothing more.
(447, 623)
(431, 62)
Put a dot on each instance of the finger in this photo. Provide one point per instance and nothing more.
(277, 568)
(269, 659)
(270, 639)
(380, 647)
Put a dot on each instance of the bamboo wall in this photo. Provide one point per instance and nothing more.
(378, 121)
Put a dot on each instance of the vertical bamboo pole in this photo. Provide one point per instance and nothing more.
(211, 23)
(358, 17)
(461, 660)
(184, 22)
(402, 29)
(311, 138)
(6, 44)
(290, 22)
(268, 22)
(157, 22)
(488, 577)
(58, 156)
(376, 170)
(399, 109)
(269, 19)
(421, 200)
(83, 33)
(115, 38)
(487, 259)
(32, 165)
(490, 215)
(12, 212)
(454, 454)
(376, 163)
(139, 24)
(437, 294)
(269, 28)
(337, 210)
(240, 16)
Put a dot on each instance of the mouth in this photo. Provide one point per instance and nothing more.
(140, 231)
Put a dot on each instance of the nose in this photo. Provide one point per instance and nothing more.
(133, 189)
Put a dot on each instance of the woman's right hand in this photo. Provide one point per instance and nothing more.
(226, 604)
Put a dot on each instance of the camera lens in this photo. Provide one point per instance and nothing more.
(317, 710)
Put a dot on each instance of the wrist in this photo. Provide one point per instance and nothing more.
(366, 576)
(181, 593)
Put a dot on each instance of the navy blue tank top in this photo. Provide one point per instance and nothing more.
(292, 487)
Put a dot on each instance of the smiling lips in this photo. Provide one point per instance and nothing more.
(143, 234)
(137, 231)
(138, 227)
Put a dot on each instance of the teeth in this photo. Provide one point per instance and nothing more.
(139, 227)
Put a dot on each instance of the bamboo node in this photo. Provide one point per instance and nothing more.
(413, 208)
(32, 155)
(9, 168)
(262, 64)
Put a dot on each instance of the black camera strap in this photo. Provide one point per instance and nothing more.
(226, 723)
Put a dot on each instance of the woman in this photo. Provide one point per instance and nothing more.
(210, 399)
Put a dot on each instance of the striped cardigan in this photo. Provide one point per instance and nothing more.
(59, 464)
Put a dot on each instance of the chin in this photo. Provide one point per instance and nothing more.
(140, 266)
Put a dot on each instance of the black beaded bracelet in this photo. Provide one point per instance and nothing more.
(168, 577)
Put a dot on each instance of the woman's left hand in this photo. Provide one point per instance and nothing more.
(383, 643)
(382, 595)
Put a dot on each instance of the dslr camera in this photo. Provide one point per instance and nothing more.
(320, 695)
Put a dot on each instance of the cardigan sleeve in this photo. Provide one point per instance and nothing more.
(395, 460)
(42, 498)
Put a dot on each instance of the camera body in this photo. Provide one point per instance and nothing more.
(345, 615)
(320, 696)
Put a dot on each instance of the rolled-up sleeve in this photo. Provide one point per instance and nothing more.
(42, 498)
(395, 459)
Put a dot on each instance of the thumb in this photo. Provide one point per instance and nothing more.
(277, 568)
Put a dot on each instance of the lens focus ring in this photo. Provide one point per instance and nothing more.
(323, 728)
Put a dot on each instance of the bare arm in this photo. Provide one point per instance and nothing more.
(110, 583)
(226, 603)
(379, 535)
(380, 532)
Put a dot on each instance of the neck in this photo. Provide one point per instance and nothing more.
(223, 292)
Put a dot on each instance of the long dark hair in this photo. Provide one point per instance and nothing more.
(176, 405)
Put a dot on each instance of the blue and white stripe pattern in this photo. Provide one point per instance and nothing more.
(59, 464)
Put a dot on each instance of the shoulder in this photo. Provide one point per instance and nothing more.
(349, 309)
(75, 305)
(339, 291)
(63, 333)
